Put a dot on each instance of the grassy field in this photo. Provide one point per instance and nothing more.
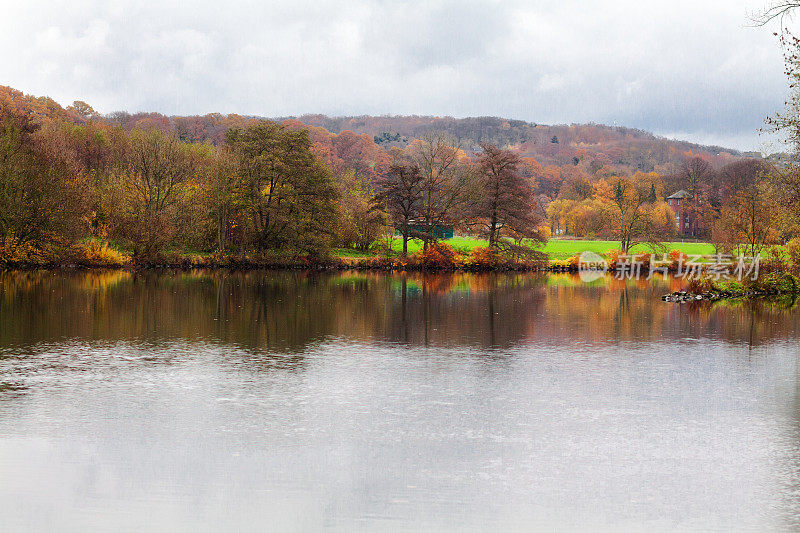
(558, 249)
(555, 248)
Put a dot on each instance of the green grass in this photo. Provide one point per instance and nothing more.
(555, 248)
(350, 252)
(558, 249)
(462, 245)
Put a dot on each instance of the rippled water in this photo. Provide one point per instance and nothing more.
(290, 401)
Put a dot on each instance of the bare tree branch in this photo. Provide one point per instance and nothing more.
(777, 10)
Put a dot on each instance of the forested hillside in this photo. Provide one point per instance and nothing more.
(591, 145)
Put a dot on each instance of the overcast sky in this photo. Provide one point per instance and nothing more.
(693, 70)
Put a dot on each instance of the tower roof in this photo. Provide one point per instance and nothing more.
(680, 195)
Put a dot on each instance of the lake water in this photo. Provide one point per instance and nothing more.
(297, 402)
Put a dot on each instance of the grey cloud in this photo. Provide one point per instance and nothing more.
(687, 67)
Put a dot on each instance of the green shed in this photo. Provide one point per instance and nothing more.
(438, 232)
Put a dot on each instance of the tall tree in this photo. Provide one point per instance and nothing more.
(400, 191)
(750, 219)
(632, 211)
(786, 124)
(504, 203)
(360, 220)
(289, 193)
(445, 183)
(225, 195)
(43, 193)
(157, 167)
(736, 176)
(696, 176)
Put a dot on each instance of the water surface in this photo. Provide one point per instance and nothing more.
(294, 401)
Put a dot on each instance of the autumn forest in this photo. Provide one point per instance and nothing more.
(80, 187)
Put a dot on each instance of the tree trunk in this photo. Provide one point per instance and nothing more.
(493, 232)
(222, 224)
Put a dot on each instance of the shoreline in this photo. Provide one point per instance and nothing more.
(775, 284)
(334, 265)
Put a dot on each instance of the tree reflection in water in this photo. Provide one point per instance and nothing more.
(286, 312)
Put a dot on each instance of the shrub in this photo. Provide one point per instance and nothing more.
(383, 246)
(700, 285)
(13, 252)
(777, 282)
(97, 253)
(439, 255)
(644, 258)
(544, 233)
(728, 286)
(677, 258)
(183, 260)
(613, 257)
(777, 258)
(793, 250)
(482, 257)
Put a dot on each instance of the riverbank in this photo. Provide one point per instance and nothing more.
(438, 256)
(456, 254)
(290, 263)
(771, 285)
